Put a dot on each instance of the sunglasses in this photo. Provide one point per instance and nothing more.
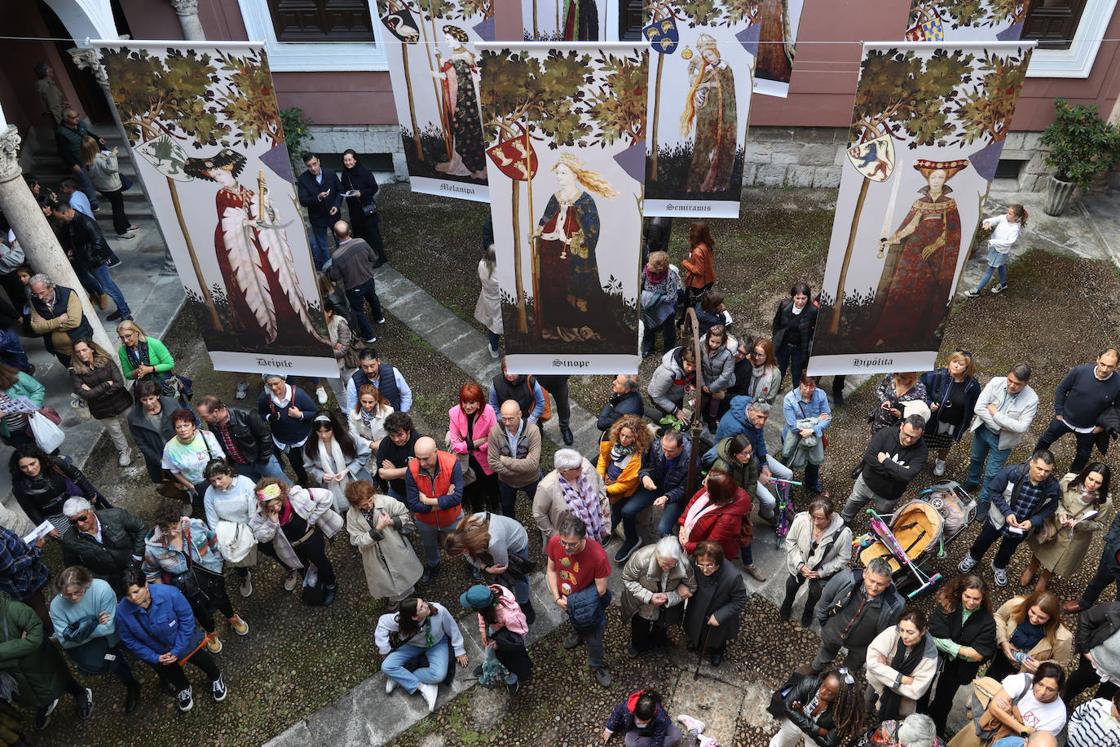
(78, 519)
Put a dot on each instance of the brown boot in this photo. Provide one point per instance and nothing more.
(1043, 581)
(1029, 573)
(1071, 607)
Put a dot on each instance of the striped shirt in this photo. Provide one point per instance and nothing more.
(1093, 725)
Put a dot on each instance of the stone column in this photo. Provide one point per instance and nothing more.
(88, 58)
(187, 10)
(35, 235)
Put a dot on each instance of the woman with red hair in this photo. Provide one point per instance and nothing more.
(470, 424)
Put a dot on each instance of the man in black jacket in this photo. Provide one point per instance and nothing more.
(892, 460)
(352, 266)
(90, 253)
(245, 438)
(1096, 644)
(106, 541)
(663, 480)
(320, 192)
(625, 399)
(1108, 572)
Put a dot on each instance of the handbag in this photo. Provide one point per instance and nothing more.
(988, 727)
(46, 434)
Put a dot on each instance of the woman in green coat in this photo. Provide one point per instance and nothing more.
(16, 385)
(142, 358)
(30, 664)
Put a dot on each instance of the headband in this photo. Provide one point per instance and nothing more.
(268, 492)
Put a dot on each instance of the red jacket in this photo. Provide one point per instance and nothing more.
(725, 524)
(698, 267)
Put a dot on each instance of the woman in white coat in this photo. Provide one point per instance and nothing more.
(488, 308)
(334, 457)
(817, 546)
(378, 525)
(901, 666)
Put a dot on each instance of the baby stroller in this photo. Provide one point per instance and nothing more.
(957, 508)
(908, 542)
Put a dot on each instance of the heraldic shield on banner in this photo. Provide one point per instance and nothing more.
(875, 158)
(401, 23)
(663, 35)
(514, 156)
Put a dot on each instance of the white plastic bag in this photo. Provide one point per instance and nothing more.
(48, 435)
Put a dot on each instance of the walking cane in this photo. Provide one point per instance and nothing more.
(703, 651)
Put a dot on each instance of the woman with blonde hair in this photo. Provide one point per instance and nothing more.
(97, 381)
(952, 392)
(710, 106)
(1029, 632)
(566, 238)
(367, 419)
(105, 174)
(620, 459)
(144, 358)
(661, 285)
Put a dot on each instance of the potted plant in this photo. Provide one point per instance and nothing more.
(1081, 146)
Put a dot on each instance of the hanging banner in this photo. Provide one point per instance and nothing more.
(967, 20)
(434, 70)
(570, 20)
(203, 122)
(928, 128)
(776, 25)
(699, 102)
(565, 132)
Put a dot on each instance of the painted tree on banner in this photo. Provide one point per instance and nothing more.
(938, 20)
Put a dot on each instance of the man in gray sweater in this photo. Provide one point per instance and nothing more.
(352, 266)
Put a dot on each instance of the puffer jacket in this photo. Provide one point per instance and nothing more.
(107, 396)
(735, 421)
(669, 383)
(717, 369)
(27, 655)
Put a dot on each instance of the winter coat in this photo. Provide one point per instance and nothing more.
(313, 506)
(1096, 625)
(249, 433)
(122, 540)
(717, 369)
(803, 692)
(167, 626)
(793, 330)
(642, 577)
(149, 440)
(622, 722)
(699, 272)
(937, 384)
(723, 594)
(744, 475)
(43, 496)
(390, 564)
(669, 383)
(1065, 552)
(735, 421)
(107, 396)
(488, 308)
(88, 247)
(1044, 650)
(881, 675)
(1012, 424)
(842, 589)
(672, 481)
(549, 503)
(520, 469)
(484, 422)
(27, 655)
(158, 357)
(627, 483)
(630, 403)
(827, 556)
(724, 524)
(978, 632)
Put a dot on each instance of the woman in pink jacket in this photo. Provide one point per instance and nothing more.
(471, 421)
(503, 629)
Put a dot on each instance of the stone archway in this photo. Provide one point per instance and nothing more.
(85, 19)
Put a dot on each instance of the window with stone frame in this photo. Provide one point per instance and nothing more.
(1053, 23)
(321, 20)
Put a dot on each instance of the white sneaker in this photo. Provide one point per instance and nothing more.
(124, 458)
(972, 294)
(321, 395)
(967, 564)
(390, 685)
(430, 692)
(690, 723)
(999, 288)
(939, 468)
(495, 354)
(76, 402)
(291, 581)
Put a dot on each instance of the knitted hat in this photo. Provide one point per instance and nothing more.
(478, 597)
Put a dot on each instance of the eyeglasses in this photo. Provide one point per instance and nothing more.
(570, 545)
(706, 566)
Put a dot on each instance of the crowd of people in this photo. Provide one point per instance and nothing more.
(284, 478)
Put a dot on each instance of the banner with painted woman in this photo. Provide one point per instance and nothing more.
(570, 20)
(928, 128)
(967, 20)
(433, 67)
(701, 79)
(778, 21)
(204, 125)
(565, 131)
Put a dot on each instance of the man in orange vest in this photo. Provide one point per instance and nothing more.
(433, 488)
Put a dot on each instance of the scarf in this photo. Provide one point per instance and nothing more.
(282, 403)
(655, 279)
(756, 377)
(583, 502)
(286, 511)
(904, 661)
(620, 456)
(699, 507)
(333, 462)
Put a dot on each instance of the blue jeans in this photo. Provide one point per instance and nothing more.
(320, 246)
(494, 339)
(102, 275)
(627, 510)
(256, 470)
(357, 298)
(438, 657)
(431, 539)
(985, 445)
(988, 276)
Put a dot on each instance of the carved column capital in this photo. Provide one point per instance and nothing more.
(89, 58)
(9, 155)
(185, 7)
